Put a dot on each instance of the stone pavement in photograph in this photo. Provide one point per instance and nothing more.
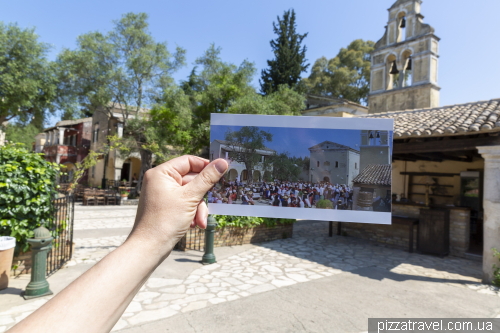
(265, 268)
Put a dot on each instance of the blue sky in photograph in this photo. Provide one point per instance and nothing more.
(243, 30)
(296, 141)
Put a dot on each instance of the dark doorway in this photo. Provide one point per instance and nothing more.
(125, 172)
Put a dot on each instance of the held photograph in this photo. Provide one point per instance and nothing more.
(279, 166)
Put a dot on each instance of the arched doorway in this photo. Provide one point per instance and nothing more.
(256, 176)
(326, 179)
(233, 175)
(244, 175)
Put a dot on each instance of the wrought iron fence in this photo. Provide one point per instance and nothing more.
(61, 228)
(193, 240)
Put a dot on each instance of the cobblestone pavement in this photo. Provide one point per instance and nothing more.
(104, 217)
(309, 255)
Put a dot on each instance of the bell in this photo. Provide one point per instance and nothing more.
(408, 67)
(394, 68)
(371, 135)
(378, 135)
(403, 22)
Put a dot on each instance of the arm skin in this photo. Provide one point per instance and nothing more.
(171, 202)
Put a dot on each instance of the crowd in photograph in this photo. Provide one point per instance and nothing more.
(282, 194)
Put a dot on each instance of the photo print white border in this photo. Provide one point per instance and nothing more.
(302, 122)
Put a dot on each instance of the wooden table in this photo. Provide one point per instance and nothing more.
(401, 220)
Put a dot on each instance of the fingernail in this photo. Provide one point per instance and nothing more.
(221, 166)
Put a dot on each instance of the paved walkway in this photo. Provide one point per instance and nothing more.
(306, 257)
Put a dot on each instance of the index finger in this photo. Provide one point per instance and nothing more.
(185, 164)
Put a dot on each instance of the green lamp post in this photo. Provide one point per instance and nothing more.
(209, 256)
(40, 246)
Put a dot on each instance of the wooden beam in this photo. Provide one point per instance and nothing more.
(435, 174)
(445, 145)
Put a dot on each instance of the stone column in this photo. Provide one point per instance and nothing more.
(119, 129)
(491, 206)
(61, 136)
(55, 138)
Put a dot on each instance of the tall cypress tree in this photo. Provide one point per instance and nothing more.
(290, 57)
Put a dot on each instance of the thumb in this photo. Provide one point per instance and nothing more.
(207, 178)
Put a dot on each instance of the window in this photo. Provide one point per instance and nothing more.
(93, 171)
(356, 166)
(326, 163)
(336, 164)
(317, 164)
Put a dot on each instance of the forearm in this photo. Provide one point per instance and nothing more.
(96, 300)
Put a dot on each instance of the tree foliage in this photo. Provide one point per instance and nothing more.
(20, 133)
(26, 188)
(289, 56)
(284, 168)
(217, 86)
(28, 84)
(125, 70)
(244, 145)
(283, 102)
(345, 76)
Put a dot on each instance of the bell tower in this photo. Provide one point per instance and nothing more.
(404, 62)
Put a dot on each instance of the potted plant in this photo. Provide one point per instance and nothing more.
(124, 194)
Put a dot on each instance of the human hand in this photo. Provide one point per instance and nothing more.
(172, 200)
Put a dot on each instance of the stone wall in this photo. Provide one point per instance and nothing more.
(397, 235)
(230, 236)
(393, 235)
(459, 231)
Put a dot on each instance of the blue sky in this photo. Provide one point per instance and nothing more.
(468, 31)
(296, 140)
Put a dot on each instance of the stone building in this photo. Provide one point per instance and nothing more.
(67, 143)
(323, 106)
(333, 162)
(375, 148)
(112, 167)
(375, 182)
(237, 171)
(405, 62)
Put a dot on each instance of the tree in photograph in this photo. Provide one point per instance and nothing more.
(345, 76)
(214, 90)
(28, 84)
(285, 167)
(125, 70)
(289, 56)
(244, 145)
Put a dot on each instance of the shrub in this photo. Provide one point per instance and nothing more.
(26, 189)
(248, 221)
(325, 204)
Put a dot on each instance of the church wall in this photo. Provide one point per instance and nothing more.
(414, 97)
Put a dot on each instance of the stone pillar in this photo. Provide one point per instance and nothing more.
(118, 173)
(61, 136)
(55, 138)
(491, 205)
(119, 129)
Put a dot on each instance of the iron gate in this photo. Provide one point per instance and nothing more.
(61, 228)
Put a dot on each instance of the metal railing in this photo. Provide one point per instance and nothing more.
(61, 228)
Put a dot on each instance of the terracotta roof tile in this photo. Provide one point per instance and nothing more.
(375, 174)
(459, 119)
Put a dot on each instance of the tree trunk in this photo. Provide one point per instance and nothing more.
(146, 164)
(249, 174)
